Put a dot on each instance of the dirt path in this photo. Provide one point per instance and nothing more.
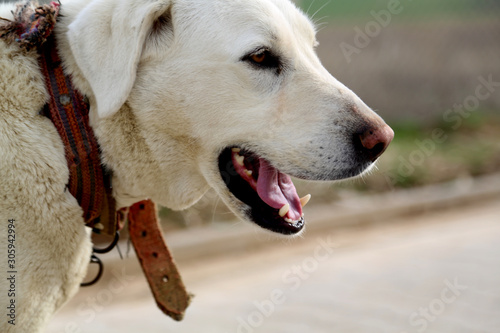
(434, 273)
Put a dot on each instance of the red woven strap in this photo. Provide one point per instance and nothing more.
(70, 115)
(156, 261)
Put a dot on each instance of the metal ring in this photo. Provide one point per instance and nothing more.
(94, 260)
(110, 247)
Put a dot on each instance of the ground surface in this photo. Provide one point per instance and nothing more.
(438, 272)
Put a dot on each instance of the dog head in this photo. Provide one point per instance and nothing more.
(227, 94)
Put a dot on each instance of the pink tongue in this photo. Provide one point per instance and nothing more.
(276, 189)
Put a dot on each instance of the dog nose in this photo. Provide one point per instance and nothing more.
(375, 141)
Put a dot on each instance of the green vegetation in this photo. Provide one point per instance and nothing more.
(418, 156)
(328, 10)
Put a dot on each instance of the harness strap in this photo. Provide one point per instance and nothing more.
(156, 261)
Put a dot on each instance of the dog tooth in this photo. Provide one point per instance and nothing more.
(304, 200)
(288, 220)
(249, 172)
(235, 150)
(239, 159)
(284, 210)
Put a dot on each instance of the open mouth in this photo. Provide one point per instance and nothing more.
(270, 194)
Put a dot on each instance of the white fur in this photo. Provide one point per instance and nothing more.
(165, 99)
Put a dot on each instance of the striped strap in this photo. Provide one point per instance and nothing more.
(67, 109)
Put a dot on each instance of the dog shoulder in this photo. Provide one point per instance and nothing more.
(32, 153)
(22, 88)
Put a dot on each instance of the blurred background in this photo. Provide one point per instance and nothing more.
(412, 247)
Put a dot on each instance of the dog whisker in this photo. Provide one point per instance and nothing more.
(320, 9)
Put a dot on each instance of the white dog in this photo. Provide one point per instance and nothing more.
(185, 95)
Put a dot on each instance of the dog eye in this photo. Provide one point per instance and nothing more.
(263, 58)
(259, 58)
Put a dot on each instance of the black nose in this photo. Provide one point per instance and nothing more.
(373, 142)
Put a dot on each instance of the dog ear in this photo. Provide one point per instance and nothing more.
(107, 39)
